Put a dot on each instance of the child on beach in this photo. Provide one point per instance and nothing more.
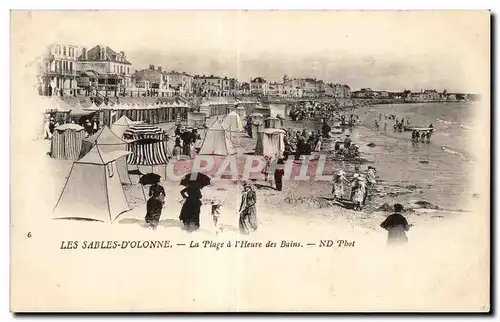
(216, 215)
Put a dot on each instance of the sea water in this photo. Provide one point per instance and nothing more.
(441, 169)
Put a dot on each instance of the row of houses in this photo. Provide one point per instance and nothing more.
(101, 70)
(407, 95)
(298, 88)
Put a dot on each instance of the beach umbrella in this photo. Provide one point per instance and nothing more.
(200, 179)
(150, 178)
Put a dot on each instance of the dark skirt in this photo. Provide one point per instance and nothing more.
(190, 214)
(248, 220)
(153, 219)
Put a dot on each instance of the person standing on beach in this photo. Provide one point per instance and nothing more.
(216, 205)
(278, 175)
(248, 210)
(359, 192)
(338, 186)
(154, 207)
(190, 212)
(396, 226)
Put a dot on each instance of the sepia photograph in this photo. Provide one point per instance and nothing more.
(250, 161)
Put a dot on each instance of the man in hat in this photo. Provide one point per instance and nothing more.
(396, 226)
(248, 211)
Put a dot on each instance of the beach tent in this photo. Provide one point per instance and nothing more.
(107, 141)
(66, 141)
(121, 125)
(277, 108)
(273, 122)
(241, 111)
(143, 131)
(217, 141)
(232, 122)
(271, 143)
(93, 190)
(257, 124)
(196, 119)
(205, 108)
(148, 146)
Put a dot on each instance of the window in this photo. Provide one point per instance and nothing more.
(128, 71)
(64, 50)
(111, 172)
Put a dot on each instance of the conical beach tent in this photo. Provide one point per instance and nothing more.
(232, 122)
(271, 143)
(93, 190)
(121, 125)
(107, 141)
(217, 141)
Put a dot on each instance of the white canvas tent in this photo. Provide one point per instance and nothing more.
(217, 141)
(121, 125)
(232, 122)
(107, 141)
(93, 190)
(271, 143)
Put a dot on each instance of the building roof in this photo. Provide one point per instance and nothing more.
(148, 74)
(174, 72)
(111, 55)
(259, 80)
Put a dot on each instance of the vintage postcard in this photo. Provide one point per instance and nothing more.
(250, 161)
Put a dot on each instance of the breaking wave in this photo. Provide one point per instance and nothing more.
(445, 122)
(451, 151)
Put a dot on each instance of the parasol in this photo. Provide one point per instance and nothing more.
(150, 178)
(200, 179)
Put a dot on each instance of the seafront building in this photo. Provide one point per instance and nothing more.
(104, 71)
(106, 75)
(58, 70)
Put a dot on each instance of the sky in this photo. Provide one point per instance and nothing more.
(391, 50)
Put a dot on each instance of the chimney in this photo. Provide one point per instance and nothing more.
(159, 68)
(152, 67)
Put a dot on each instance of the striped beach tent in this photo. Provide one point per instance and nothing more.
(148, 152)
(148, 146)
(107, 141)
(143, 131)
(66, 141)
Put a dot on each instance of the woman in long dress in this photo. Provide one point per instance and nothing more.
(190, 212)
(177, 148)
(278, 175)
(396, 226)
(338, 185)
(154, 207)
(317, 148)
(248, 211)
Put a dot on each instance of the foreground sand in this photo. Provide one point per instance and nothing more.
(363, 277)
